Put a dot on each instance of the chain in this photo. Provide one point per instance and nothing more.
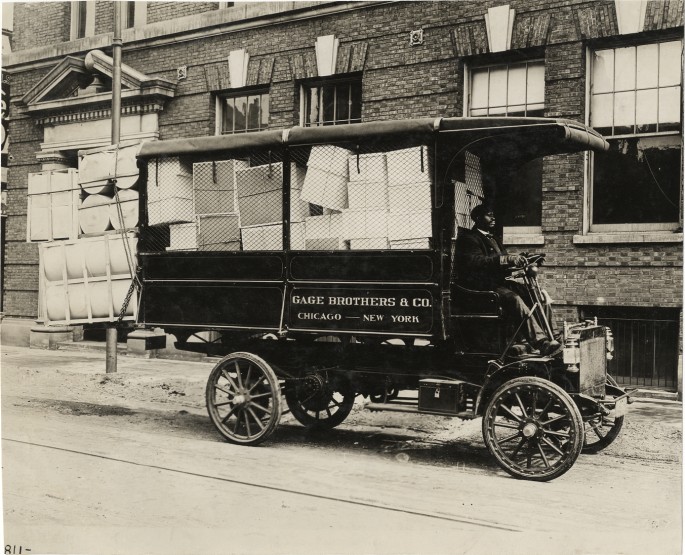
(134, 270)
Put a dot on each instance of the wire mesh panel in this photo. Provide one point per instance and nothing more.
(468, 193)
(365, 200)
(217, 205)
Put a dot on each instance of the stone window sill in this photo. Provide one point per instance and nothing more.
(628, 237)
(524, 239)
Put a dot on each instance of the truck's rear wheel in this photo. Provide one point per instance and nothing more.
(533, 428)
(319, 403)
(244, 398)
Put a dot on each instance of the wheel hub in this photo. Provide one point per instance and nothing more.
(241, 399)
(530, 429)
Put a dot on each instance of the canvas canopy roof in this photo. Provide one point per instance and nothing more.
(513, 138)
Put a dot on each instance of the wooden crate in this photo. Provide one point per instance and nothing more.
(53, 201)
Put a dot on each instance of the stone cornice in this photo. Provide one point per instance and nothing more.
(217, 22)
(98, 111)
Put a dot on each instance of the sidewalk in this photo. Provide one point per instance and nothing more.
(177, 364)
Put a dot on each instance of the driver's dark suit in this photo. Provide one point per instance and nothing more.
(477, 257)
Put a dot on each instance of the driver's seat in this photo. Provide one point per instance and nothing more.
(477, 319)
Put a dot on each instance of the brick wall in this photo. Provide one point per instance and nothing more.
(398, 81)
(30, 27)
(163, 11)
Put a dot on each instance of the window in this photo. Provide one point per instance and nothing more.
(332, 102)
(516, 89)
(508, 90)
(244, 113)
(82, 19)
(134, 14)
(635, 102)
(646, 342)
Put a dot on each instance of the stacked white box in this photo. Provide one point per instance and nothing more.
(183, 237)
(409, 198)
(409, 165)
(53, 200)
(270, 237)
(365, 224)
(325, 183)
(410, 244)
(367, 195)
(169, 191)
(214, 188)
(378, 243)
(324, 232)
(409, 225)
(218, 232)
(368, 167)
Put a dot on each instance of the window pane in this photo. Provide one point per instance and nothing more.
(240, 114)
(603, 71)
(229, 118)
(624, 112)
(646, 111)
(647, 65)
(516, 111)
(328, 104)
(253, 113)
(637, 181)
(498, 88)
(670, 65)
(601, 111)
(480, 112)
(313, 112)
(521, 187)
(479, 89)
(342, 110)
(517, 85)
(536, 83)
(624, 80)
(669, 108)
(356, 104)
(265, 111)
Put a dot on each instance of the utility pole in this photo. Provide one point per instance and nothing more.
(111, 334)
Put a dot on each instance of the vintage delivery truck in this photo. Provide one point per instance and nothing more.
(320, 263)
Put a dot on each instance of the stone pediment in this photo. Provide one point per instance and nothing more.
(81, 89)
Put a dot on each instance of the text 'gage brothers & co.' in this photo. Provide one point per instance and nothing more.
(379, 310)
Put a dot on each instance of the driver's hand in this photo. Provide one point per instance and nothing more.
(515, 260)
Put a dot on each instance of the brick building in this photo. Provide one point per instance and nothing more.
(610, 224)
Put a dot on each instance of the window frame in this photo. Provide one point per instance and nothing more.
(139, 15)
(524, 235)
(220, 96)
(626, 229)
(89, 23)
(306, 86)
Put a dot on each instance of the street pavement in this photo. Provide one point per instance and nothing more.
(129, 463)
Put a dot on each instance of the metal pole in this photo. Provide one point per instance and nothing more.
(111, 335)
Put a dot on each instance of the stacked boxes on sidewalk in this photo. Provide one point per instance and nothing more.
(85, 220)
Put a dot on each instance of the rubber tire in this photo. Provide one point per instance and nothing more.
(276, 401)
(576, 440)
(311, 423)
(612, 432)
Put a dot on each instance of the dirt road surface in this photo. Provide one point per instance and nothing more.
(129, 463)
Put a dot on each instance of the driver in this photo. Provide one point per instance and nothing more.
(482, 264)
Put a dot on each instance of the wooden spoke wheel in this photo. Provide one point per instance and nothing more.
(602, 430)
(244, 398)
(533, 428)
(317, 403)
